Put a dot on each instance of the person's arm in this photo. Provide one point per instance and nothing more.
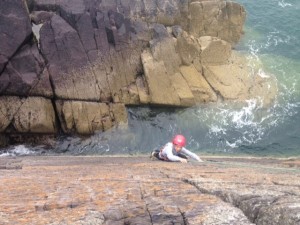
(191, 154)
(169, 153)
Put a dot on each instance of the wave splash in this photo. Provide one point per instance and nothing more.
(19, 150)
(284, 4)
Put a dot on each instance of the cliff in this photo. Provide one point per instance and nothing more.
(73, 66)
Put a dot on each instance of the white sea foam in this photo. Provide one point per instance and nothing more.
(284, 4)
(232, 145)
(217, 130)
(262, 74)
(234, 126)
(18, 150)
(4, 154)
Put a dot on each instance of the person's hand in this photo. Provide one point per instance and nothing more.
(200, 160)
(183, 160)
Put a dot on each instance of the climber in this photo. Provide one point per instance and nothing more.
(175, 151)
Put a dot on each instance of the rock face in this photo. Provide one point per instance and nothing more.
(83, 61)
(135, 190)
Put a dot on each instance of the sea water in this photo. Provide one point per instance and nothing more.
(272, 37)
(272, 34)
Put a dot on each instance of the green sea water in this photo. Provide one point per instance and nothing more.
(272, 33)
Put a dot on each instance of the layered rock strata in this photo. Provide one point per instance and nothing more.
(73, 66)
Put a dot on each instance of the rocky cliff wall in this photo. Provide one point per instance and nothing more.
(73, 66)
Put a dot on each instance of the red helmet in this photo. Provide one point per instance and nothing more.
(179, 140)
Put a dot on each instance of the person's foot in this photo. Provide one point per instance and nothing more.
(153, 155)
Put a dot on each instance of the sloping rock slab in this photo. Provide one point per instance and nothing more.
(136, 190)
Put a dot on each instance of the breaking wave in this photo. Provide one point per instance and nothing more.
(19, 150)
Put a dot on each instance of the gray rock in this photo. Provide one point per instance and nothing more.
(15, 29)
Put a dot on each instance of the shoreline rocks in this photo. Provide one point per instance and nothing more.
(90, 59)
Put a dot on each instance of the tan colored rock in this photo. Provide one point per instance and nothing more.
(36, 115)
(183, 90)
(102, 79)
(118, 113)
(229, 80)
(9, 106)
(121, 72)
(221, 19)
(89, 117)
(164, 50)
(82, 117)
(237, 81)
(130, 95)
(106, 118)
(188, 48)
(160, 87)
(200, 88)
(214, 50)
(236, 15)
(142, 90)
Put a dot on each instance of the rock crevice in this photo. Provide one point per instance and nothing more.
(135, 190)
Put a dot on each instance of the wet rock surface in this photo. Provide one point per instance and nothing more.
(137, 190)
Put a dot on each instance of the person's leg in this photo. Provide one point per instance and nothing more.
(155, 154)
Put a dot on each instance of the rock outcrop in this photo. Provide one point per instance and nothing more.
(79, 63)
(135, 190)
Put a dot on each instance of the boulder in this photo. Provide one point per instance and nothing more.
(188, 49)
(159, 83)
(88, 117)
(83, 117)
(183, 90)
(36, 115)
(164, 50)
(118, 113)
(229, 81)
(9, 106)
(237, 81)
(219, 18)
(143, 90)
(201, 90)
(214, 51)
(27, 115)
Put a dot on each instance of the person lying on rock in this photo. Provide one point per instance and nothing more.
(175, 151)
